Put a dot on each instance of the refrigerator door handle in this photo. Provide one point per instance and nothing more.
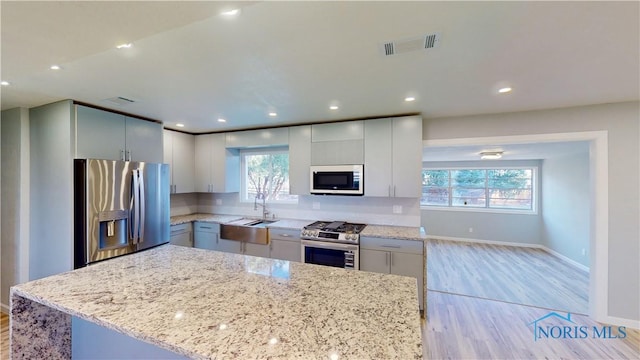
(141, 206)
(135, 208)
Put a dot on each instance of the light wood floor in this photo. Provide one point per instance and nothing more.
(4, 336)
(512, 274)
(464, 327)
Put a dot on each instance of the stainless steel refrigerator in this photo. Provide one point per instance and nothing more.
(120, 207)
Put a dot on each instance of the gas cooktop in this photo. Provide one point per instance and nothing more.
(333, 231)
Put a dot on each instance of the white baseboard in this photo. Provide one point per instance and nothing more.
(566, 259)
(526, 245)
(4, 308)
(490, 242)
(612, 320)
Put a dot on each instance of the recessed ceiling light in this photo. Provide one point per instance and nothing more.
(272, 114)
(504, 90)
(231, 12)
(490, 155)
(180, 125)
(409, 99)
(222, 120)
(124, 46)
(333, 107)
(5, 83)
(54, 67)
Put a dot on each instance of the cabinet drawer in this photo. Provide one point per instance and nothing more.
(284, 234)
(207, 227)
(178, 229)
(395, 245)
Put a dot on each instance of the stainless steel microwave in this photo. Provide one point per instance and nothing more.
(337, 179)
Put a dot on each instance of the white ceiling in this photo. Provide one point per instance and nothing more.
(530, 151)
(191, 65)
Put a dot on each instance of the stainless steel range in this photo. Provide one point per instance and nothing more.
(332, 243)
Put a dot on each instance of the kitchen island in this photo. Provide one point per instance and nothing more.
(206, 304)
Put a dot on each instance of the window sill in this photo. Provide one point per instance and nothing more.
(480, 210)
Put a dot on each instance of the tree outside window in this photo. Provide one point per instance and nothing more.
(505, 188)
(267, 172)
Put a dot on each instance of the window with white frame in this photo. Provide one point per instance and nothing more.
(507, 188)
(266, 171)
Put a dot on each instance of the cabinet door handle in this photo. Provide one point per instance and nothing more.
(394, 191)
(284, 235)
(122, 154)
(129, 155)
(391, 246)
(386, 258)
(217, 238)
(389, 190)
(391, 255)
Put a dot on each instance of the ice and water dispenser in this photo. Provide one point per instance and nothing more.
(113, 229)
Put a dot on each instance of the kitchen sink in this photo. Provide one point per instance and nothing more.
(248, 230)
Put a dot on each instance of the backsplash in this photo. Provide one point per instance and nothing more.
(184, 204)
(368, 210)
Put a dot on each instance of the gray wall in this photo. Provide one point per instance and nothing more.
(493, 226)
(565, 206)
(52, 149)
(15, 192)
(622, 122)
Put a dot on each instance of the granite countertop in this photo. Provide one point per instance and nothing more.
(290, 224)
(207, 304)
(183, 219)
(395, 232)
(382, 231)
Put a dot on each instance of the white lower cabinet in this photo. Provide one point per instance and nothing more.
(206, 235)
(241, 247)
(230, 246)
(285, 245)
(181, 235)
(255, 249)
(394, 256)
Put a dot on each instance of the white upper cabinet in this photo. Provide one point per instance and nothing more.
(179, 150)
(204, 164)
(393, 157)
(299, 159)
(337, 143)
(107, 135)
(217, 168)
(339, 131)
(257, 138)
(101, 134)
(144, 140)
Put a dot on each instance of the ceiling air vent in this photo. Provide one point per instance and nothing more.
(424, 42)
(120, 101)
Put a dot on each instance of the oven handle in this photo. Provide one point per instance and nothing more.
(328, 245)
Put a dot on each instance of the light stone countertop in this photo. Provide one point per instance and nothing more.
(207, 304)
(290, 224)
(382, 231)
(395, 232)
(183, 219)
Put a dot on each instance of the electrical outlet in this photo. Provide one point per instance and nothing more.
(397, 209)
(218, 201)
(470, 229)
(315, 205)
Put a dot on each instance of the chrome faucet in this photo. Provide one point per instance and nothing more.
(260, 196)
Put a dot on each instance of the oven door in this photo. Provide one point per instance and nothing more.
(331, 254)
